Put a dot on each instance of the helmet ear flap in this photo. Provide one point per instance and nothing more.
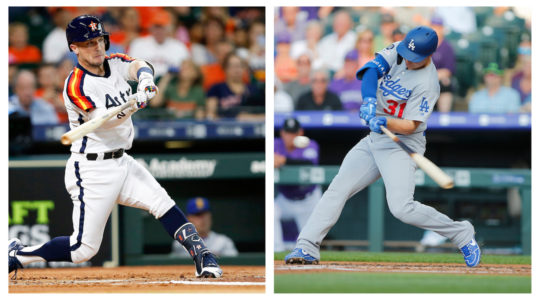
(107, 42)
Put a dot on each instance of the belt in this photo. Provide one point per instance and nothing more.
(106, 155)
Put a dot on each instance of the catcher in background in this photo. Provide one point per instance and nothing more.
(293, 201)
(99, 173)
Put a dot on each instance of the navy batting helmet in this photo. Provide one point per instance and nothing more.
(418, 44)
(84, 28)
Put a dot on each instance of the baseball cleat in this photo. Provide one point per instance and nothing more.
(206, 266)
(471, 253)
(300, 256)
(14, 245)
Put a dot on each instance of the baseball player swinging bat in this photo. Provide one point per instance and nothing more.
(441, 178)
(80, 131)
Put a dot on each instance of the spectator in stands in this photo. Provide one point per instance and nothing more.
(283, 102)
(334, 47)
(25, 103)
(444, 60)
(230, 99)
(20, 52)
(384, 39)
(521, 80)
(159, 48)
(397, 35)
(205, 53)
(319, 98)
(129, 28)
(255, 53)
(461, 19)
(364, 46)
(310, 43)
(199, 213)
(196, 34)
(182, 92)
(291, 22)
(348, 87)
(55, 45)
(285, 68)
(494, 98)
(213, 73)
(302, 84)
(50, 91)
(412, 16)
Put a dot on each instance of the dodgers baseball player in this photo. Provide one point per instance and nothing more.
(400, 89)
(99, 173)
(293, 201)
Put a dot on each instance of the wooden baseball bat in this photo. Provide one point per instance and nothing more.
(82, 130)
(441, 178)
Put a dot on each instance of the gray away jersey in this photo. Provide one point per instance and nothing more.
(407, 94)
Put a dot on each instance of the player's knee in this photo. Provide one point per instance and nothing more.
(402, 212)
(83, 253)
(162, 204)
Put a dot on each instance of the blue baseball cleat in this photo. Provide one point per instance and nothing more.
(206, 266)
(471, 253)
(300, 256)
(14, 245)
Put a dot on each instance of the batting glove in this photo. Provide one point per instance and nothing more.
(148, 87)
(368, 108)
(376, 123)
(142, 100)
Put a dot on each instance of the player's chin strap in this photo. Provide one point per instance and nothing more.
(189, 238)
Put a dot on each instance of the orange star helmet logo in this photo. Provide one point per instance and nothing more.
(93, 26)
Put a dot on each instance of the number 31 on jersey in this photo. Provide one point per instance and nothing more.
(392, 106)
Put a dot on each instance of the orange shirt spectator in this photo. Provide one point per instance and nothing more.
(19, 49)
(285, 66)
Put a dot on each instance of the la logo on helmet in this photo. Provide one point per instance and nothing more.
(411, 45)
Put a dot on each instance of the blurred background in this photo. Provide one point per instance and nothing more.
(479, 132)
(197, 138)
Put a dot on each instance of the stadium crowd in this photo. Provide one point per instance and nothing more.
(209, 62)
(483, 57)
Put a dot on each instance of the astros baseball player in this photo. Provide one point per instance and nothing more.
(99, 173)
(400, 89)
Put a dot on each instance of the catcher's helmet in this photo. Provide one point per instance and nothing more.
(84, 28)
(418, 44)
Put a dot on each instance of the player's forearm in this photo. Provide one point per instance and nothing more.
(402, 126)
(135, 66)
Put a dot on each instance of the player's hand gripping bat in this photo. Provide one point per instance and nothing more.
(82, 130)
(441, 178)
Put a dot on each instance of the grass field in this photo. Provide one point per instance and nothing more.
(412, 257)
(377, 282)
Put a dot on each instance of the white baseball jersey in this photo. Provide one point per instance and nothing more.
(84, 91)
(407, 94)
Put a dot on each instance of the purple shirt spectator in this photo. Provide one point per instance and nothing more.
(444, 57)
(310, 155)
(349, 93)
(516, 80)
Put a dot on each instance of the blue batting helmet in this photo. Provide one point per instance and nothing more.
(84, 28)
(418, 44)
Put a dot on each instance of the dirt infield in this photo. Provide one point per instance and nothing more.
(280, 268)
(155, 279)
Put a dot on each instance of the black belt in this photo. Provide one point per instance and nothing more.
(106, 155)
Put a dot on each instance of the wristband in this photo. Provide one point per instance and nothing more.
(144, 70)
